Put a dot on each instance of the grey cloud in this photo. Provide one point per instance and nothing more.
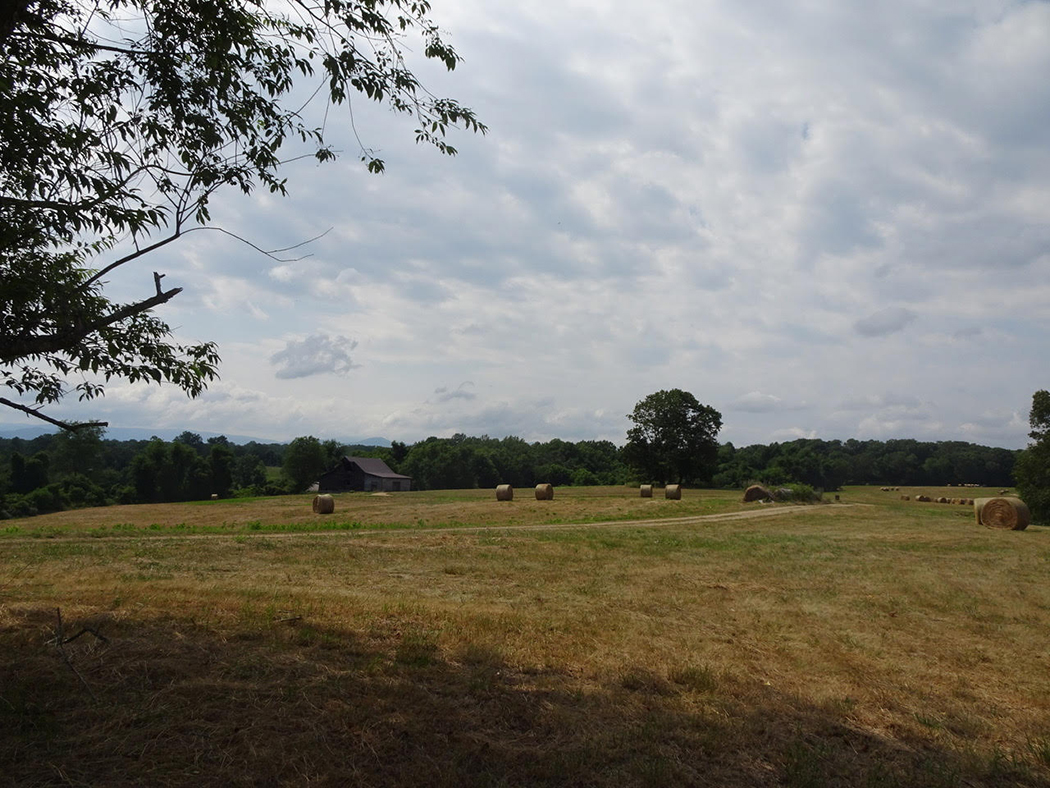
(969, 332)
(757, 402)
(878, 401)
(884, 322)
(444, 395)
(318, 354)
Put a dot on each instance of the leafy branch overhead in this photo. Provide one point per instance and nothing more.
(119, 122)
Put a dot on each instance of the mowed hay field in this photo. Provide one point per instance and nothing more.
(598, 639)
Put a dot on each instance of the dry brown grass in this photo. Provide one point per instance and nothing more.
(892, 644)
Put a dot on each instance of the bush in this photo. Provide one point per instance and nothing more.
(123, 493)
(16, 505)
(1032, 474)
(79, 491)
(582, 477)
(46, 499)
(798, 493)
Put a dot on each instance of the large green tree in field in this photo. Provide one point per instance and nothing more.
(1032, 470)
(305, 460)
(674, 438)
(120, 121)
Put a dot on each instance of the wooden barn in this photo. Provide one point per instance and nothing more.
(364, 474)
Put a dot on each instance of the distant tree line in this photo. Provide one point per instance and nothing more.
(72, 470)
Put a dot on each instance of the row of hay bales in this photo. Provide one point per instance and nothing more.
(1006, 513)
(890, 489)
(672, 492)
(545, 492)
(941, 499)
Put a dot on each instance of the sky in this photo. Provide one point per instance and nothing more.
(823, 219)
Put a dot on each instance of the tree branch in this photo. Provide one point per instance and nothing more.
(49, 420)
(55, 343)
(129, 257)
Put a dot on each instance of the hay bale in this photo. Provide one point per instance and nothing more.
(923, 498)
(942, 499)
(673, 492)
(756, 492)
(504, 493)
(544, 492)
(324, 504)
(215, 496)
(905, 497)
(647, 490)
(1008, 514)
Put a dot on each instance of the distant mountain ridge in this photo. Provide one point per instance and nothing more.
(145, 433)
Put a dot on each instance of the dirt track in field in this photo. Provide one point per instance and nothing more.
(697, 519)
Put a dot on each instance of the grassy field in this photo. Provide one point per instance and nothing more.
(599, 639)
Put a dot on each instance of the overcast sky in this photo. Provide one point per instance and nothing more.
(823, 219)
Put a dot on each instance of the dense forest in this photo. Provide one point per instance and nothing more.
(72, 470)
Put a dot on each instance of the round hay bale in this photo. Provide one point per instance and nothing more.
(215, 496)
(673, 492)
(942, 499)
(1007, 514)
(504, 493)
(923, 498)
(905, 497)
(756, 492)
(647, 490)
(544, 492)
(324, 504)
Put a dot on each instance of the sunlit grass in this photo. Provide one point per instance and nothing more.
(891, 643)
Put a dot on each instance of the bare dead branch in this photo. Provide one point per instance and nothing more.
(59, 641)
(57, 342)
(43, 417)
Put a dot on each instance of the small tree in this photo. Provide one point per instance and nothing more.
(1032, 470)
(220, 469)
(674, 438)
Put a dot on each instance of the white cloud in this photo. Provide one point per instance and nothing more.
(317, 354)
(775, 206)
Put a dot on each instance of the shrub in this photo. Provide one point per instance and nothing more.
(46, 499)
(798, 493)
(79, 491)
(582, 477)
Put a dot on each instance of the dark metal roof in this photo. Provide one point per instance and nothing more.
(373, 466)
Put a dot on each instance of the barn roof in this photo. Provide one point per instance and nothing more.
(373, 466)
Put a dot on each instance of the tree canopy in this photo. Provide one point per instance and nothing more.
(120, 121)
(674, 437)
(1032, 470)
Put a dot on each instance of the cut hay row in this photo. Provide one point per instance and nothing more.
(941, 499)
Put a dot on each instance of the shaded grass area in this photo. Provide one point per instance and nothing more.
(890, 645)
(298, 705)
